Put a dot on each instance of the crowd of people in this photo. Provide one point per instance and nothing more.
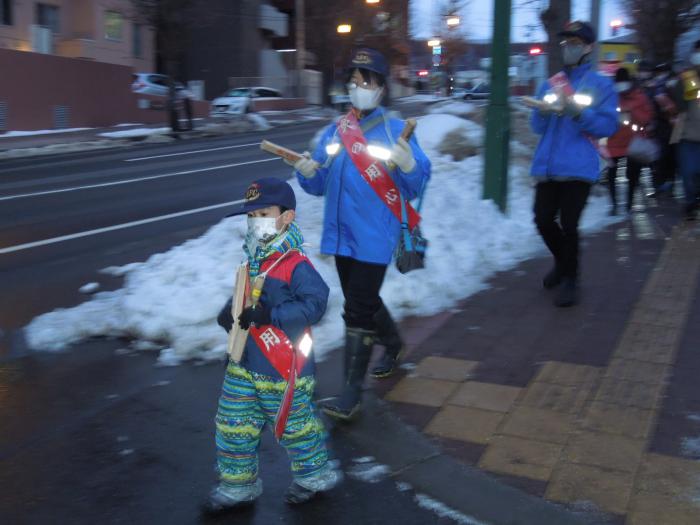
(650, 119)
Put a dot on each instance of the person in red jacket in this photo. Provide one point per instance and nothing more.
(636, 113)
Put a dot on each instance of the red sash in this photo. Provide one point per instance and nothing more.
(287, 360)
(372, 170)
(284, 357)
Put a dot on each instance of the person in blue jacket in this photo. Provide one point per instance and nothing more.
(294, 297)
(566, 161)
(359, 228)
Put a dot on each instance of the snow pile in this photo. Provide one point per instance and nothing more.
(258, 121)
(444, 511)
(366, 470)
(452, 107)
(9, 134)
(419, 98)
(174, 297)
(137, 132)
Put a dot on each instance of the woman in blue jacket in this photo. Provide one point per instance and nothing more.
(360, 229)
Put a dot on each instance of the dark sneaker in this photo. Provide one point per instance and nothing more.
(552, 279)
(567, 294)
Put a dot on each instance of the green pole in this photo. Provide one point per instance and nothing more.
(498, 113)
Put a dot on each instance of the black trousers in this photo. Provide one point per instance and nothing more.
(633, 171)
(361, 283)
(564, 200)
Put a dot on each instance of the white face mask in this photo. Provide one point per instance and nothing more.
(621, 87)
(261, 230)
(364, 99)
(695, 59)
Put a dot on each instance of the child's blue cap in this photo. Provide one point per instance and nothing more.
(267, 192)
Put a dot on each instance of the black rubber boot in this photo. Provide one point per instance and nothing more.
(358, 347)
(567, 294)
(388, 336)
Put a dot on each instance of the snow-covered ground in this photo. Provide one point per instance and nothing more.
(137, 132)
(173, 298)
(9, 134)
(420, 98)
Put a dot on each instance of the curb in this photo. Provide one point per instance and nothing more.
(412, 458)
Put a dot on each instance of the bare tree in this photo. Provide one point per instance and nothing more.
(553, 18)
(659, 23)
(384, 28)
(170, 19)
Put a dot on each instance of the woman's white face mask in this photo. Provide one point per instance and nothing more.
(695, 59)
(362, 98)
(621, 87)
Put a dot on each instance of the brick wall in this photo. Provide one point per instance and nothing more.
(45, 91)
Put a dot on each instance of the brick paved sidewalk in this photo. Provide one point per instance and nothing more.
(596, 406)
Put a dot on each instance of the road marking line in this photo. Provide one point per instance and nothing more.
(129, 181)
(54, 240)
(192, 152)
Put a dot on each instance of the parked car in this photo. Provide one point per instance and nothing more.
(238, 101)
(480, 91)
(155, 84)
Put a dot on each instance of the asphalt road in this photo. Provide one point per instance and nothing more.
(97, 435)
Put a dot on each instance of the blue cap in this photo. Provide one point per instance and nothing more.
(369, 59)
(582, 30)
(267, 192)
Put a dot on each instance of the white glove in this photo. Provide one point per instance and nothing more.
(306, 165)
(402, 156)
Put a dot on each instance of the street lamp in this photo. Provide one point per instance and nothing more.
(434, 42)
(452, 21)
(372, 2)
(344, 29)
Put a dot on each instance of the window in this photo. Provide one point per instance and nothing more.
(48, 16)
(114, 25)
(160, 80)
(631, 58)
(136, 41)
(611, 55)
(6, 12)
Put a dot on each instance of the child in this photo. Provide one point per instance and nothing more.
(293, 298)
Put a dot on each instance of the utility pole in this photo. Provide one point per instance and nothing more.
(301, 44)
(498, 114)
(595, 22)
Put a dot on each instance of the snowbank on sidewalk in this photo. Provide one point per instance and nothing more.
(138, 132)
(9, 134)
(173, 298)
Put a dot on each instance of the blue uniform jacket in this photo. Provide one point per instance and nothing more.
(356, 222)
(566, 149)
(296, 296)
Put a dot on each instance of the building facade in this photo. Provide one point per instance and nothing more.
(99, 30)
